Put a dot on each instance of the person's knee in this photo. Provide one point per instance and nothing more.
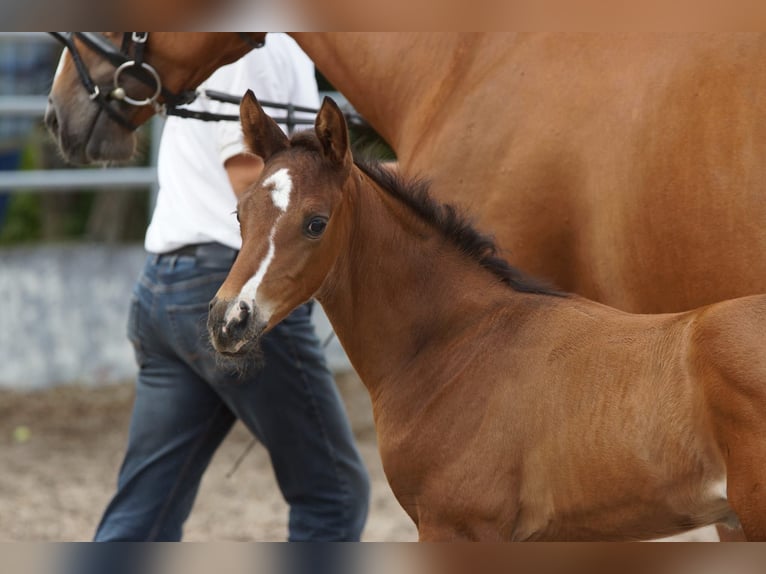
(333, 514)
(359, 501)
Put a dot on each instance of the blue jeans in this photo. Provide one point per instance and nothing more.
(185, 405)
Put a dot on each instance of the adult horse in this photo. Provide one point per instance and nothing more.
(626, 168)
(504, 410)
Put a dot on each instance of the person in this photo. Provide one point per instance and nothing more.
(185, 403)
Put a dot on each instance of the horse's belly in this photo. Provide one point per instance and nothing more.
(646, 515)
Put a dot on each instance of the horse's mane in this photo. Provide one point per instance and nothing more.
(445, 217)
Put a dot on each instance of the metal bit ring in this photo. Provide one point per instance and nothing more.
(120, 93)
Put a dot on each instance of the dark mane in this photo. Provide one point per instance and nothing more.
(445, 217)
(307, 140)
(454, 225)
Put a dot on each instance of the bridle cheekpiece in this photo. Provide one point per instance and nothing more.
(129, 60)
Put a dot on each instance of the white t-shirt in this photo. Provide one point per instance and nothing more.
(196, 203)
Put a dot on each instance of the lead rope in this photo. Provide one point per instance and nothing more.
(238, 462)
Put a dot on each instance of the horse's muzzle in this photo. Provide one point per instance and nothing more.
(51, 119)
(233, 326)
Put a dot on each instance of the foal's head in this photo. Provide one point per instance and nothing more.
(292, 225)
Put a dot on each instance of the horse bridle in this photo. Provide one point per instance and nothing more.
(129, 59)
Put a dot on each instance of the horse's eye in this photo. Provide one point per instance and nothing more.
(315, 227)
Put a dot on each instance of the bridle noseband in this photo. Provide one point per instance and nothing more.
(129, 59)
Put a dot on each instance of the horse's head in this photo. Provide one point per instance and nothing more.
(108, 84)
(292, 224)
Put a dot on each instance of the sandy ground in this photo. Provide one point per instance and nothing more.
(55, 482)
(54, 485)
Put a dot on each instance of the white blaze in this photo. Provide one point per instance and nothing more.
(281, 188)
(60, 67)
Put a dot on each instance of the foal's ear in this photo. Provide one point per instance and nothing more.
(262, 134)
(330, 126)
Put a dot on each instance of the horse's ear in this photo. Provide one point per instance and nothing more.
(330, 126)
(262, 134)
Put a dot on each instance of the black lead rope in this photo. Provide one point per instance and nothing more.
(289, 119)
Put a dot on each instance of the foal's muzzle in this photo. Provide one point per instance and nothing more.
(233, 326)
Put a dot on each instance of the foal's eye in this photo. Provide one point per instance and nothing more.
(315, 227)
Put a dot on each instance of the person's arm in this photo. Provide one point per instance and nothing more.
(243, 170)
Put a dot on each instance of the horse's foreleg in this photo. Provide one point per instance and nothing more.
(726, 534)
(465, 530)
(746, 489)
(728, 350)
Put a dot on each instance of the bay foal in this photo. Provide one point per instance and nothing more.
(504, 410)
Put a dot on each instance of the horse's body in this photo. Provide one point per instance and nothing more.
(503, 410)
(626, 168)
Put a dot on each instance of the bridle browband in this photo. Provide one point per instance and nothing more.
(134, 65)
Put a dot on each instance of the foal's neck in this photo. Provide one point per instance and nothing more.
(403, 290)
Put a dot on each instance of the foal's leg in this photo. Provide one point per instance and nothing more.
(726, 534)
(728, 349)
(436, 524)
(742, 428)
(456, 533)
(747, 486)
